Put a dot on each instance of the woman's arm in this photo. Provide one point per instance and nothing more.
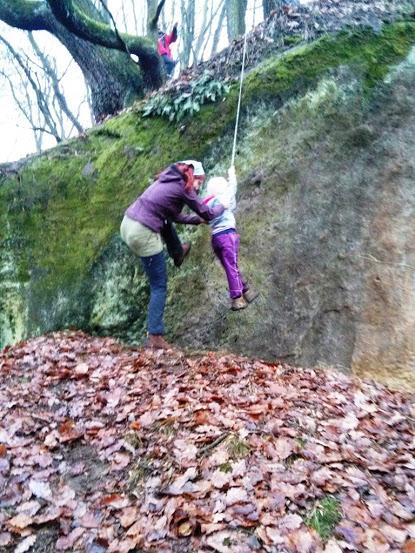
(188, 219)
(207, 213)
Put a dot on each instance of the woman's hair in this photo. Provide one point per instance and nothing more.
(187, 171)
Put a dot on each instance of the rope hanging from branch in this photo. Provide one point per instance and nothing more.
(238, 110)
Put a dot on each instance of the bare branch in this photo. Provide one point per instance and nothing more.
(43, 106)
(50, 71)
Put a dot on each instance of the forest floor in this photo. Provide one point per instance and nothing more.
(105, 448)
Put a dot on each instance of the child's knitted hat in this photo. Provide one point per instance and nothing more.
(218, 187)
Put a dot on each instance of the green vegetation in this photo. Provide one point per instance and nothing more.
(325, 516)
(175, 106)
(237, 448)
(141, 470)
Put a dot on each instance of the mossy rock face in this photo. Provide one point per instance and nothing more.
(325, 164)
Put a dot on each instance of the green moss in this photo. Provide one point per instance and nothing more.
(58, 220)
(293, 40)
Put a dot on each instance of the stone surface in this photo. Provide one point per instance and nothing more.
(325, 212)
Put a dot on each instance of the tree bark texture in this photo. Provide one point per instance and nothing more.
(235, 12)
(188, 31)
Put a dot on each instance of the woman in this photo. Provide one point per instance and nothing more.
(143, 222)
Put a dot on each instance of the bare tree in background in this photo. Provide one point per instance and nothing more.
(51, 75)
(36, 90)
(219, 27)
(187, 31)
(211, 14)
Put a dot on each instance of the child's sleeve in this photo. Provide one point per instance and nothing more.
(172, 37)
(233, 186)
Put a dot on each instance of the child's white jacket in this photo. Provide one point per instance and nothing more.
(222, 191)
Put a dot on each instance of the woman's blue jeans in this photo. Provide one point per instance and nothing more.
(155, 268)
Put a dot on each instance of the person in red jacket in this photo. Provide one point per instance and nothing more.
(163, 48)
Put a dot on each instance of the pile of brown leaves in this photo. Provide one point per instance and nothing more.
(116, 450)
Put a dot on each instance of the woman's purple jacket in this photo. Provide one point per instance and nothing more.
(165, 199)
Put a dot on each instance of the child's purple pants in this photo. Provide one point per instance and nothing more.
(226, 247)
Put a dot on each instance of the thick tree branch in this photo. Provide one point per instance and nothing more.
(80, 24)
(29, 15)
(154, 21)
(105, 8)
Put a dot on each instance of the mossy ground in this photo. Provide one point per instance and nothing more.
(64, 208)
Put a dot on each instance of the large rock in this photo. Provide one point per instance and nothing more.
(325, 159)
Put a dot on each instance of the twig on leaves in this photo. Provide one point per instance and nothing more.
(203, 450)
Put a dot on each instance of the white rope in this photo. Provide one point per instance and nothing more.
(239, 99)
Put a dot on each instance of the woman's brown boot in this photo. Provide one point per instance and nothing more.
(157, 341)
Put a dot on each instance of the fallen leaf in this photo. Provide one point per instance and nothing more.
(29, 508)
(128, 516)
(290, 522)
(409, 547)
(178, 486)
(40, 489)
(283, 448)
(5, 538)
(81, 369)
(66, 542)
(26, 544)
(20, 521)
(236, 495)
(120, 461)
(332, 546)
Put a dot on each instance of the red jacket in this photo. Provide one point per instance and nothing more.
(163, 43)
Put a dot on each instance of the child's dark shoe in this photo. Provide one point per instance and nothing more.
(251, 295)
(238, 303)
(178, 259)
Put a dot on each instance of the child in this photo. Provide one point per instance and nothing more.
(163, 48)
(225, 239)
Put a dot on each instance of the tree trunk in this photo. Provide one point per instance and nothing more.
(235, 15)
(271, 5)
(151, 12)
(114, 78)
(188, 31)
(218, 31)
